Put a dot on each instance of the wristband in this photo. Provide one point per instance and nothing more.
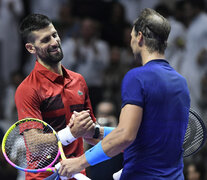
(107, 130)
(66, 136)
(96, 155)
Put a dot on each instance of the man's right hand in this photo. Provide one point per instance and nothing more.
(81, 124)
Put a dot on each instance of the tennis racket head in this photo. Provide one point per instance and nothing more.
(31, 145)
(195, 135)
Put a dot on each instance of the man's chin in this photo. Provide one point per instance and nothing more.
(56, 58)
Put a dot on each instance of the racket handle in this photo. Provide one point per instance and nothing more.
(77, 176)
(80, 176)
(57, 166)
(117, 175)
(63, 178)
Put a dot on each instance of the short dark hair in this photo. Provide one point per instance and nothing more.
(155, 29)
(33, 22)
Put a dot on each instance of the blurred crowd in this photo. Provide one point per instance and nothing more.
(95, 38)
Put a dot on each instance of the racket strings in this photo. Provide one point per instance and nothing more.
(194, 136)
(33, 149)
(15, 148)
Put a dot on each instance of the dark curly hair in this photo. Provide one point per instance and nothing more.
(33, 22)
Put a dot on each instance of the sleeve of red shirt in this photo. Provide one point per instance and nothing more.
(27, 104)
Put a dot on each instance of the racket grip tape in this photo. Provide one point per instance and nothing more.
(80, 176)
(77, 176)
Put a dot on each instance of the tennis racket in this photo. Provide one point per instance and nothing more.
(32, 145)
(195, 135)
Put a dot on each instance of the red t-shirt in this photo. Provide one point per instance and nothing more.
(53, 98)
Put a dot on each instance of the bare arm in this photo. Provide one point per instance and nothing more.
(93, 141)
(126, 131)
(35, 139)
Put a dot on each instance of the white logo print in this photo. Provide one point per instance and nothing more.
(80, 92)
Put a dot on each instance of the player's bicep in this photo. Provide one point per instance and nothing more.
(130, 120)
(125, 133)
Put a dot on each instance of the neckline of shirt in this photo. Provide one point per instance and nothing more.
(49, 74)
(157, 61)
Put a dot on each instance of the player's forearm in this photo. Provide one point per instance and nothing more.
(104, 131)
(34, 136)
(36, 140)
(112, 145)
(120, 138)
(116, 142)
(94, 141)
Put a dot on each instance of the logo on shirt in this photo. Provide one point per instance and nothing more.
(80, 92)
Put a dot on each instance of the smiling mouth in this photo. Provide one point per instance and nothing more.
(54, 50)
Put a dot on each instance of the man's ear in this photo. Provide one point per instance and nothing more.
(30, 47)
(140, 38)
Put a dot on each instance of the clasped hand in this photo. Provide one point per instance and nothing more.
(81, 124)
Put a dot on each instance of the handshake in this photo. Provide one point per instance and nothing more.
(80, 125)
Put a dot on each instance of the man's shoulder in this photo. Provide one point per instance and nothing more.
(28, 83)
(133, 75)
(137, 71)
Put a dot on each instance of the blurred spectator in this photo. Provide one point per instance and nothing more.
(134, 7)
(10, 117)
(98, 10)
(10, 113)
(19, 148)
(67, 25)
(176, 40)
(89, 56)
(194, 171)
(178, 12)
(10, 14)
(46, 7)
(113, 30)
(106, 114)
(203, 99)
(1, 134)
(6, 170)
(113, 76)
(196, 43)
(128, 60)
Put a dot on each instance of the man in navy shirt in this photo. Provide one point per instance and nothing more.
(154, 114)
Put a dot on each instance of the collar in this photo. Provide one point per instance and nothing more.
(51, 75)
(157, 61)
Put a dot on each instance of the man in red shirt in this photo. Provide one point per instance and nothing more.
(51, 92)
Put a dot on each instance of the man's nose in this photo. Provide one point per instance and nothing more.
(54, 41)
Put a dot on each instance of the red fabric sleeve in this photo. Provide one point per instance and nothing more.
(28, 105)
(29, 125)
